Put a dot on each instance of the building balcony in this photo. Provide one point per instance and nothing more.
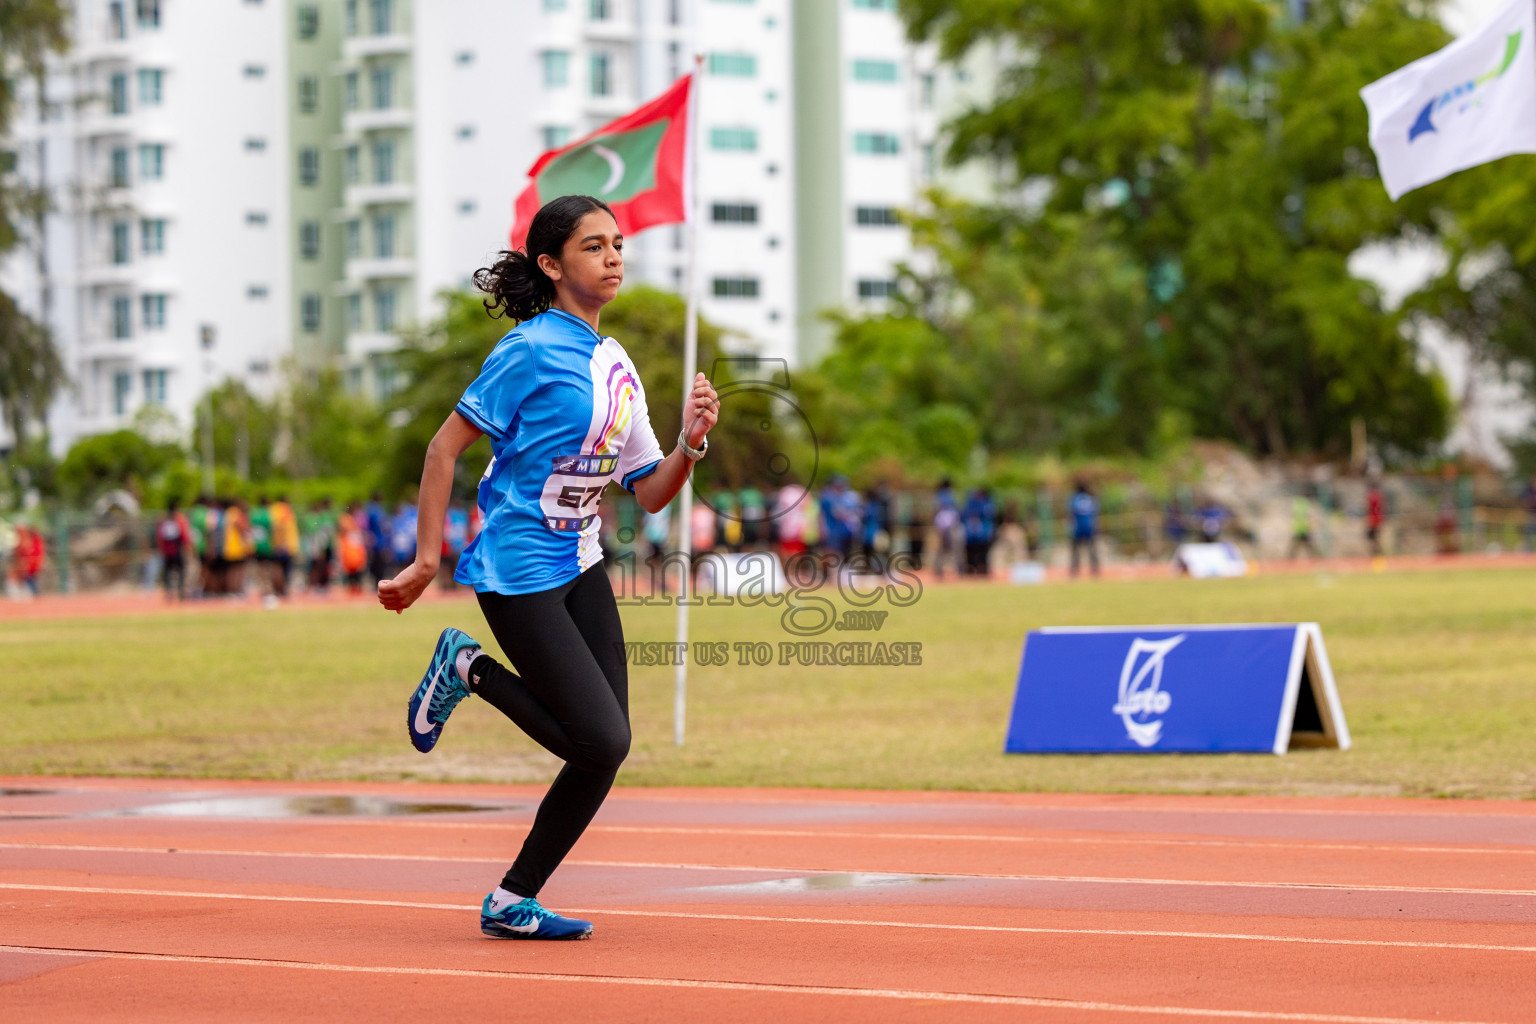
(379, 195)
(355, 122)
(361, 344)
(379, 268)
(99, 275)
(98, 124)
(608, 30)
(357, 47)
(102, 49)
(615, 105)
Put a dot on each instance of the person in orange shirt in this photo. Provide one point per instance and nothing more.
(352, 545)
(285, 543)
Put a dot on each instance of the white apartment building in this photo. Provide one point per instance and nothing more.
(306, 188)
(163, 159)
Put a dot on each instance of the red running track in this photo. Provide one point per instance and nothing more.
(171, 901)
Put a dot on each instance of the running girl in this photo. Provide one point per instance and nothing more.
(566, 414)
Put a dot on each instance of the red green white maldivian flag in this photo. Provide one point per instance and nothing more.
(635, 165)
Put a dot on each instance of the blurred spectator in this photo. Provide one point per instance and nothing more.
(28, 557)
(875, 529)
(727, 519)
(352, 546)
(789, 513)
(1174, 526)
(1301, 527)
(754, 516)
(1528, 500)
(1213, 519)
(285, 544)
(319, 531)
(839, 517)
(173, 538)
(204, 520)
(235, 539)
(1375, 517)
(261, 541)
(1012, 541)
(657, 531)
(378, 538)
(1085, 527)
(702, 532)
(402, 538)
(1447, 542)
(455, 540)
(979, 521)
(946, 523)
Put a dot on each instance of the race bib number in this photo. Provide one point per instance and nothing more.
(574, 488)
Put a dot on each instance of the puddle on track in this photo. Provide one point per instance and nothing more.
(303, 807)
(821, 883)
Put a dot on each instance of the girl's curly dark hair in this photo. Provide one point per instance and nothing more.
(515, 285)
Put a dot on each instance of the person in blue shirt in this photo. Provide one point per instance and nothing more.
(566, 415)
(378, 538)
(402, 536)
(1085, 527)
(978, 520)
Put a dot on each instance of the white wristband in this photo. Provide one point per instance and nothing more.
(693, 454)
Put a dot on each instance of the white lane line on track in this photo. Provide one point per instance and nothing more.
(778, 870)
(771, 919)
(739, 986)
(750, 832)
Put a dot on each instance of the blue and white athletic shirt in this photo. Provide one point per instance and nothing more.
(566, 414)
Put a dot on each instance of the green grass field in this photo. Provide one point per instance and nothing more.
(1437, 672)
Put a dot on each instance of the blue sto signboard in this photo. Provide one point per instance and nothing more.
(1143, 689)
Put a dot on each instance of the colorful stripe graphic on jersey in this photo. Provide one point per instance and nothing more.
(621, 402)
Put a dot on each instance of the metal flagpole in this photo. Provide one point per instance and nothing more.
(690, 367)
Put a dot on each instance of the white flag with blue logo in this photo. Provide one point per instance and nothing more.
(1465, 105)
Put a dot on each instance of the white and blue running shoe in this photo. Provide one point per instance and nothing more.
(440, 691)
(528, 920)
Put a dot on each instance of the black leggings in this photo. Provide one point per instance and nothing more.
(571, 694)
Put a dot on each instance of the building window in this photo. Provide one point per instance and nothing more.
(875, 5)
(149, 13)
(309, 165)
(383, 162)
(741, 140)
(876, 144)
(256, 292)
(381, 87)
(925, 90)
(384, 309)
(466, 206)
(599, 10)
(254, 145)
(556, 135)
(121, 252)
(120, 167)
(122, 317)
(152, 236)
(354, 312)
(117, 93)
(930, 160)
(554, 5)
(153, 309)
(256, 218)
(255, 71)
(557, 68)
(735, 287)
(309, 240)
(464, 57)
(354, 238)
(350, 89)
(384, 236)
(154, 387)
(122, 384)
(381, 16)
(733, 213)
(466, 131)
(308, 21)
(349, 17)
(151, 82)
(601, 76)
(738, 65)
(308, 92)
(881, 71)
(876, 217)
(151, 161)
(876, 288)
(117, 25)
(309, 312)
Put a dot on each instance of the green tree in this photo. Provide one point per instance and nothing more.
(30, 370)
(1216, 149)
(122, 459)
